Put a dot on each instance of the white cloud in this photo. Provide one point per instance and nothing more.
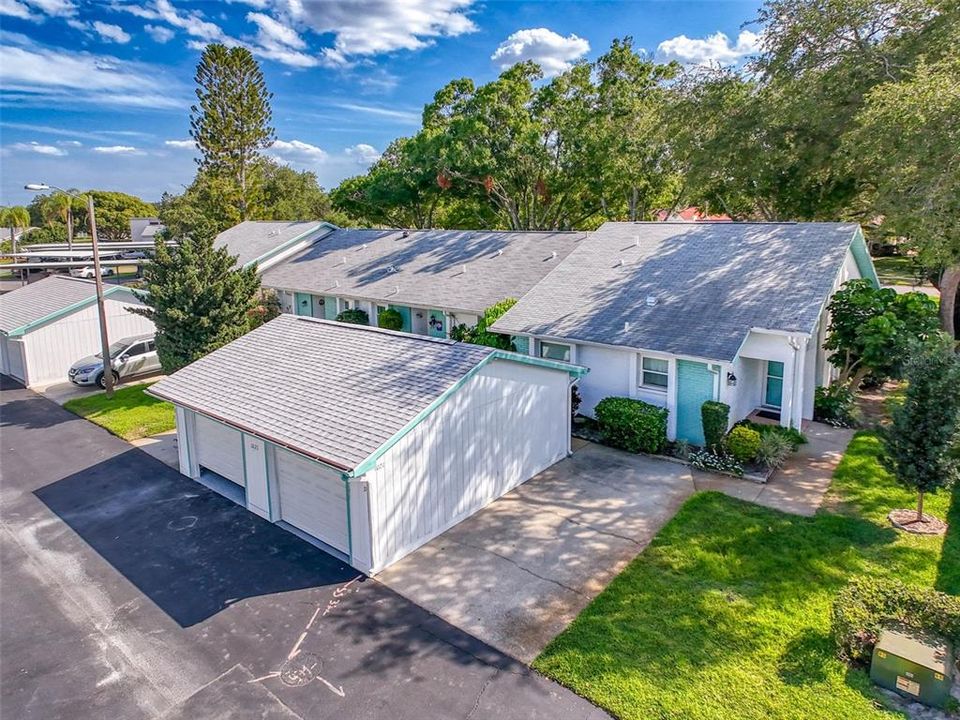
(56, 8)
(272, 32)
(192, 22)
(180, 144)
(44, 76)
(715, 49)
(364, 154)
(70, 143)
(116, 150)
(114, 33)
(552, 52)
(407, 116)
(15, 8)
(159, 33)
(298, 151)
(363, 28)
(36, 147)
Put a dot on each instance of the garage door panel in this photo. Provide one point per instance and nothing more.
(312, 499)
(220, 449)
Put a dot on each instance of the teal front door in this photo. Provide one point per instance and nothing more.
(773, 390)
(695, 385)
(304, 304)
(436, 327)
(405, 314)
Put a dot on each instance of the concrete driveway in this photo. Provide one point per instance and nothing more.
(129, 591)
(517, 573)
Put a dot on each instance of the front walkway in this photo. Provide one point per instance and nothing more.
(519, 571)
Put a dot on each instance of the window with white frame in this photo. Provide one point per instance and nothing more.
(555, 351)
(653, 372)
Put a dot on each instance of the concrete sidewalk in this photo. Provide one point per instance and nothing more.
(801, 484)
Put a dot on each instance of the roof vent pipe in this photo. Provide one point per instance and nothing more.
(499, 252)
(463, 269)
(553, 255)
(636, 240)
(626, 327)
(405, 233)
(651, 300)
(620, 262)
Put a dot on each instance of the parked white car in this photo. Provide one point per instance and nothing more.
(89, 271)
(129, 356)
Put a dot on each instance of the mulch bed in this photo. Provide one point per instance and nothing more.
(906, 520)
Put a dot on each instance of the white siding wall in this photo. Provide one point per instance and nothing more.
(507, 423)
(54, 347)
(12, 358)
(747, 396)
(609, 375)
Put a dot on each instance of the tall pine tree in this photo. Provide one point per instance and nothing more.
(197, 297)
(231, 125)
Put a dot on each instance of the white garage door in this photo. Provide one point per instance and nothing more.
(313, 499)
(219, 448)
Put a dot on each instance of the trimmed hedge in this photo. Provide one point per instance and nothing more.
(632, 425)
(715, 417)
(743, 443)
(866, 605)
(390, 319)
(355, 316)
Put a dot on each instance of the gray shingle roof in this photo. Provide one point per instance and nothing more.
(332, 391)
(254, 238)
(427, 267)
(712, 282)
(43, 298)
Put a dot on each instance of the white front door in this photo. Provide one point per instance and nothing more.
(313, 499)
(220, 449)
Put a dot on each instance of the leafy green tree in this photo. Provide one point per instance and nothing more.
(480, 334)
(922, 440)
(907, 141)
(289, 194)
(14, 218)
(197, 297)
(114, 211)
(231, 126)
(871, 330)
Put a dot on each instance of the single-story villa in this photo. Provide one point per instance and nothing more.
(48, 325)
(266, 243)
(434, 278)
(679, 313)
(367, 441)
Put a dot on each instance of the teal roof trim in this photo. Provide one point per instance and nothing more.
(371, 462)
(862, 257)
(291, 242)
(62, 312)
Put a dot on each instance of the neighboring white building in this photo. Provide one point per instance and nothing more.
(48, 325)
(370, 442)
(679, 313)
(435, 279)
(145, 229)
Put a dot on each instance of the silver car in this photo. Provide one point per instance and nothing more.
(128, 357)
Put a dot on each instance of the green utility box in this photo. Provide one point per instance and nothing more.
(917, 666)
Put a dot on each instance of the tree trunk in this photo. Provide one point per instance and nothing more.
(69, 228)
(13, 240)
(949, 284)
(920, 507)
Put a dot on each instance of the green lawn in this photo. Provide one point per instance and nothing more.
(898, 270)
(726, 613)
(131, 413)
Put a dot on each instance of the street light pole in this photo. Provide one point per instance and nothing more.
(101, 307)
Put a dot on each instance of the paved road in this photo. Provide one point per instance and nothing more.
(129, 591)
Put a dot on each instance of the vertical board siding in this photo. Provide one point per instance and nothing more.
(505, 425)
(53, 348)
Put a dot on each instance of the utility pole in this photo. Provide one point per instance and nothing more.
(101, 308)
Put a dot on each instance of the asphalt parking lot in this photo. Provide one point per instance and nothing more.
(129, 591)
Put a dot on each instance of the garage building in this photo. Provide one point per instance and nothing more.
(369, 441)
(48, 325)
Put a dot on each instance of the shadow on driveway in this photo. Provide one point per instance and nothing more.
(191, 551)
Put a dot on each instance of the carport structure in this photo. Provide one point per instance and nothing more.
(370, 442)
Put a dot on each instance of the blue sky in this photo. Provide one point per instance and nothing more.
(97, 94)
